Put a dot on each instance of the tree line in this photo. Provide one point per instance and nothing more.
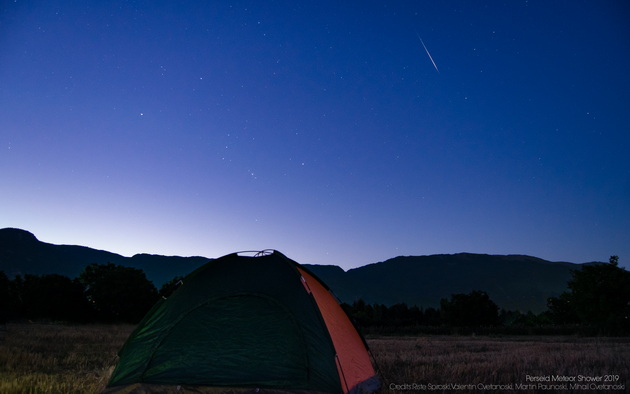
(103, 293)
(597, 301)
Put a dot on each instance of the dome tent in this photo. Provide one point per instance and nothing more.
(242, 323)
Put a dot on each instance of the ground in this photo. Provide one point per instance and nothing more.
(39, 358)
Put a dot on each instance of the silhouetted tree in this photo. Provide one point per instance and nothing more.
(561, 309)
(414, 316)
(475, 309)
(361, 313)
(431, 317)
(52, 297)
(520, 319)
(118, 293)
(6, 303)
(598, 296)
(398, 315)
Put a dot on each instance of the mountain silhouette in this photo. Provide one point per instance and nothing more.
(22, 253)
(513, 282)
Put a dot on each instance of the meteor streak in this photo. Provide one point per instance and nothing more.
(427, 51)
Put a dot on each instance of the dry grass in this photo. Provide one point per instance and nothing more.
(79, 359)
(37, 358)
(498, 361)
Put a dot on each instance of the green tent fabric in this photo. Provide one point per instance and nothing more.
(242, 322)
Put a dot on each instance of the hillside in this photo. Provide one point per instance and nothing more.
(514, 282)
(22, 253)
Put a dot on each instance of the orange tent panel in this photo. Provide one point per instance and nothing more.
(353, 362)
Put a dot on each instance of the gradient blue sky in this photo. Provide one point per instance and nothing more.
(320, 129)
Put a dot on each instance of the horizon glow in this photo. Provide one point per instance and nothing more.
(319, 130)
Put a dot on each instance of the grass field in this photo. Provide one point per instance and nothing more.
(475, 364)
(38, 358)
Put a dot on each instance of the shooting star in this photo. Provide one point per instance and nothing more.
(427, 51)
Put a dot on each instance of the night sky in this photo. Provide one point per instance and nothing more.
(322, 129)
